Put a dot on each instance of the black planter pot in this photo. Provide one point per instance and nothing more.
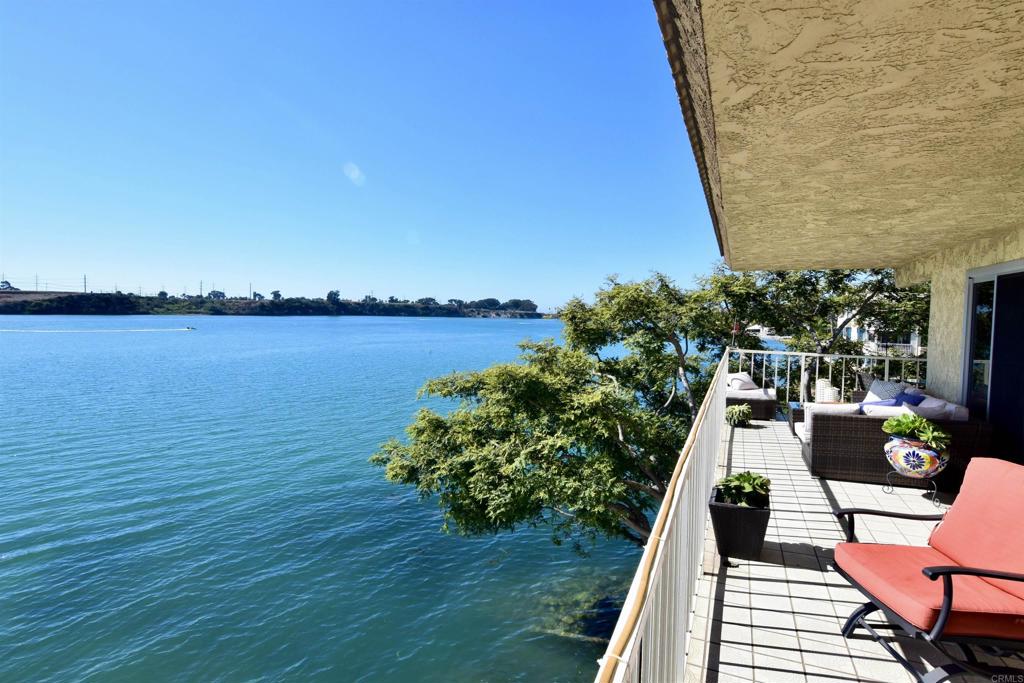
(739, 531)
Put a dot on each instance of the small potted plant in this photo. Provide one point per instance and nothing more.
(916, 447)
(739, 514)
(739, 415)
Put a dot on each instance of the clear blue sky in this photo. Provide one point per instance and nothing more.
(447, 149)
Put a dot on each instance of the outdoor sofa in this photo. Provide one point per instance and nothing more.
(838, 442)
(850, 448)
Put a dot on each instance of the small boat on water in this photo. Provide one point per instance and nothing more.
(189, 328)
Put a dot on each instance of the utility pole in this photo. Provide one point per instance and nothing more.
(250, 290)
(85, 288)
(200, 289)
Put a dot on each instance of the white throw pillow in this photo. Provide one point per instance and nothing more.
(812, 409)
(931, 408)
(886, 411)
(740, 380)
(881, 390)
(957, 412)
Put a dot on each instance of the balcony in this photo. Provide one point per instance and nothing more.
(690, 617)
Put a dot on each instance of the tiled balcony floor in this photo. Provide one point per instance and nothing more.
(778, 619)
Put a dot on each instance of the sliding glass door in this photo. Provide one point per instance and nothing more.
(995, 360)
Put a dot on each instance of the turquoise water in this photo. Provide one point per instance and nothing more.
(198, 506)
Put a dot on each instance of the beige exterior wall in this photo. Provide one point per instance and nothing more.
(947, 272)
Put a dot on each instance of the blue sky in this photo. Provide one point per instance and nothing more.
(446, 149)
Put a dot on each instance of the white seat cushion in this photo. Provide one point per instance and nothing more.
(886, 411)
(798, 428)
(812, 409)
(751, 394)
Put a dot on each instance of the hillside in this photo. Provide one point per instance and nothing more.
(71, 303)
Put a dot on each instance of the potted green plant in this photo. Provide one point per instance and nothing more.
(916, 447)
(739, 509)
(739, 415)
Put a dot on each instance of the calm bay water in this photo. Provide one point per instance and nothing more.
(198, 506)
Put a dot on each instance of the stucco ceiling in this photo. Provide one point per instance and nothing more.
(852, 134)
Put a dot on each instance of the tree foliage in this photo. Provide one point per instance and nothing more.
(814, 306)
(580, 437)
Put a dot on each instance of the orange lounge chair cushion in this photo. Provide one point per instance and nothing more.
(892, 574)
(985, 526)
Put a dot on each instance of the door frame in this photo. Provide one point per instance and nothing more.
(975, 275)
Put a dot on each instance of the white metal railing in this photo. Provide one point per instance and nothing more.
(790, 372)
(653, 631)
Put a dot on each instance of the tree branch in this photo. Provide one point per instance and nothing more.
(645, 468)
(677, 345)
(627, 517)
(644, 488)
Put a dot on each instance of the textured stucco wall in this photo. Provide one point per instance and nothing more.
(852, 132)
(947, 272)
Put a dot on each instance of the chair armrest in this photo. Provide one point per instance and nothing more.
(947, 573)
(934, 573)
(850, 512)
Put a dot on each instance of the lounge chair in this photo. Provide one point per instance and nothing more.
(762, 402)
(978, 552)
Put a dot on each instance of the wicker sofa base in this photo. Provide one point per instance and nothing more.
(761, 409)
(850, 448)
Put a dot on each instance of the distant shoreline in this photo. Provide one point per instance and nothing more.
(78, 303)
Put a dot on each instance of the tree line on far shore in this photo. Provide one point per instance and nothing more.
(216, 302)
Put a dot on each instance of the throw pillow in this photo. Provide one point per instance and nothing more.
(883, 402)
(931, 408)
(880, 390)
(909, 399)
(957, 412)
(740, 380)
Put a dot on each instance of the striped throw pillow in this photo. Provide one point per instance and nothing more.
(881, 390)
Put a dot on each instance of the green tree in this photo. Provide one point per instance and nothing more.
(519, 305)
(580, 437)
(161, 294)
(216, 295)
(256, 296)
(276, 295)
(427, 301)
(334, 297)
(486, 304)
(816, 305)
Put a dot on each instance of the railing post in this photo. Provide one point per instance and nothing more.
(803, 378)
